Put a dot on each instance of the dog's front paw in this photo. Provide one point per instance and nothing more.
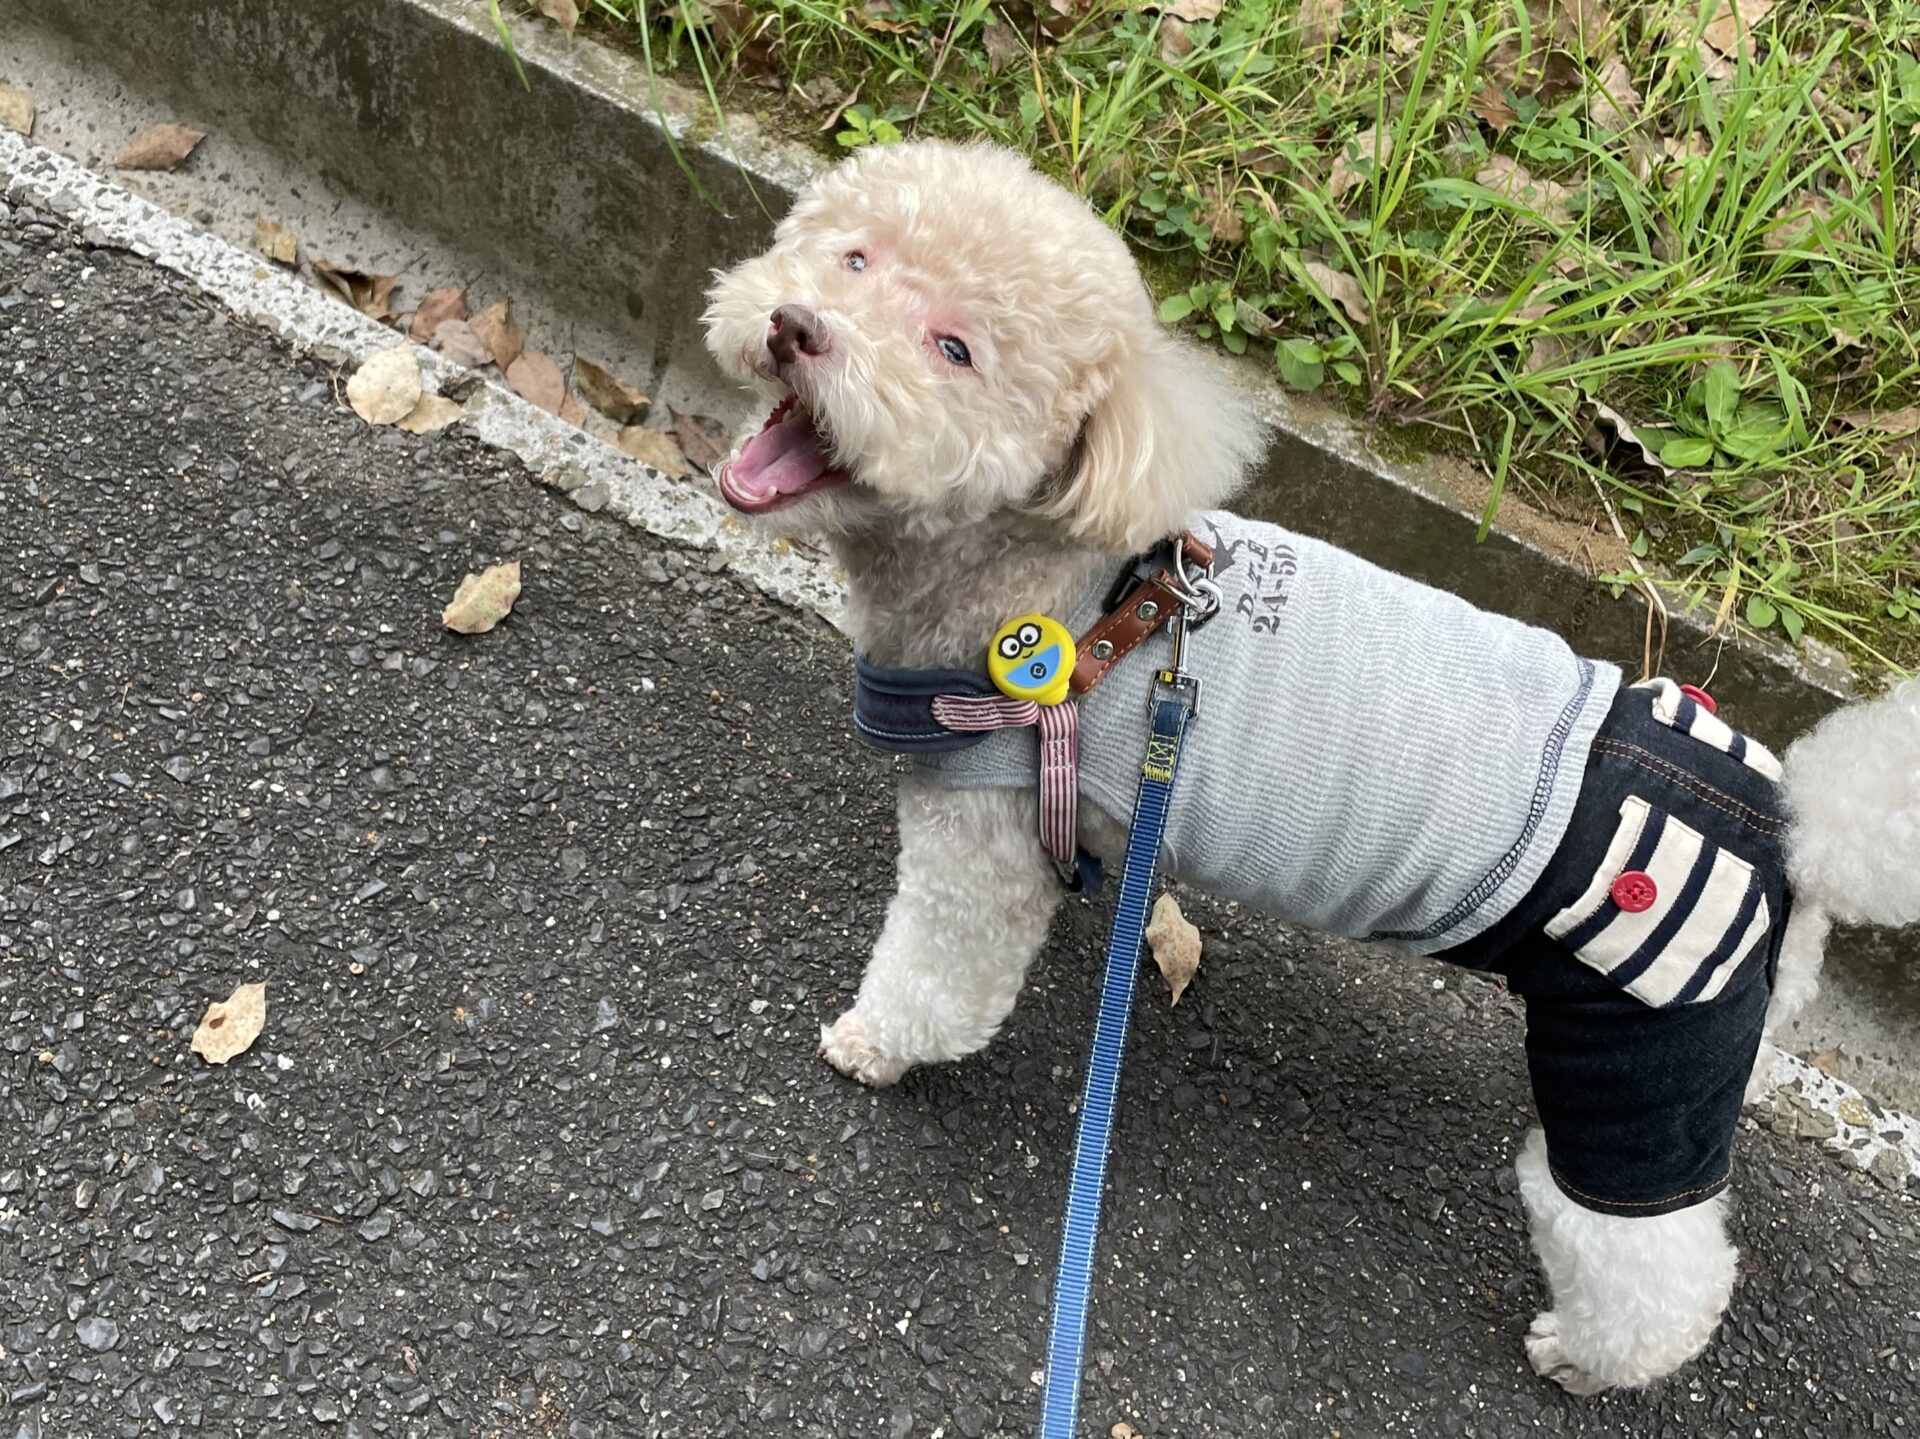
(846, 1045)
(1550, 1360)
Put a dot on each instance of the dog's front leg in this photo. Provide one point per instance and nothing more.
(976, 895)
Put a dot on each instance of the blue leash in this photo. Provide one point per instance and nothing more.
(1171, 708)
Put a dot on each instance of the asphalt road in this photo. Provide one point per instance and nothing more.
(534, 1142)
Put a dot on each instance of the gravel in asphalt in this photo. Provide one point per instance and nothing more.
(535, 1142)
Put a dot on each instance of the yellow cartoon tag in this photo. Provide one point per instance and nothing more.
(1031, 658)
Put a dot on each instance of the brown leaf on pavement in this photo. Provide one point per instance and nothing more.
(385, 389)
(655, 449)
(449, 302)
(1827, 1061)
(497, 331)
(563, 13)
(371, 295)
(483, 600)
(537, 380)
(16, 110)
(573, 412)
(1175, 943)
(275, 241)
(705, 442)
(162, 147)
(433, 412)
(612, 397)
(456, 340)
(231, 1025)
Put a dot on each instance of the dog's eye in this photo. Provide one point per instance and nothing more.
(955, 350)
(855, 260)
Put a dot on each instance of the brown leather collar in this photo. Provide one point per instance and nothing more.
(1142, 610)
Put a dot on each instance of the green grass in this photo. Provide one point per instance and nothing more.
(1436, 219)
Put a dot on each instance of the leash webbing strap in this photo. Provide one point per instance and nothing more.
(1172, 708)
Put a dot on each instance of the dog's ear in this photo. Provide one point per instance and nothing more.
(1171, 434)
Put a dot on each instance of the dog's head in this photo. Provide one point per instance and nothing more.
(944, 334)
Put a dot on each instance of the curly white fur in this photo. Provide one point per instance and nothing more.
(1853, 789)
(1633, 1299)
(1081, 432)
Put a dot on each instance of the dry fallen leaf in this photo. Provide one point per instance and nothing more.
(1827, 1061)
(1175, 943)
(1003, 46)
(1320, 24)
(1887, 422)
(161, 148)
(1733, 22)
(1356, 160)
(1123, 1430)
(371, 295)
(1547, 352)
(1584, 25)
(456, 340)
(655, 449)
(1507, 177)
(497, 331)
(1175, 43)
(705, 442)
(385, 389)
(1544, 71)
(1613, 103)
(433, 412)
(1796, 227)
(1192, 10)
(449, 302)
(1490, 104)
(1609, 421)
(483, 600)
(231, 1025)
(563, 13)
(572, 411)
(614, 398)
(275, 240)
(1342, 289)
(16, 110)
(538, 381)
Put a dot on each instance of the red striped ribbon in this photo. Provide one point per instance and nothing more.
(1059, 727)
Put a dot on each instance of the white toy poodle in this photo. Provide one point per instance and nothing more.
(975, 405)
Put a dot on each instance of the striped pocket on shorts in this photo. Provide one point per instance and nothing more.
(1669, 914)
(1679, 711)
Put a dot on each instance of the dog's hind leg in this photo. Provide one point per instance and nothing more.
(1633, 1298)
(976, 894)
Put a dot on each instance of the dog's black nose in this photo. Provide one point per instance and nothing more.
(794, 331)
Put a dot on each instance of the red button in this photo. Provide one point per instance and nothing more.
(1700, 697)
(1635, 891)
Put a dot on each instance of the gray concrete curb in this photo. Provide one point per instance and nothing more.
(1794, 1098)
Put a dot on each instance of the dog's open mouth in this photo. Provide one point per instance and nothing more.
(781, 465)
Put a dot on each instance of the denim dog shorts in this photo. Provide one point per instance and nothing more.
(1645, 954)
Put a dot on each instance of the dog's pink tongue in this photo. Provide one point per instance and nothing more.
(783, 459)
